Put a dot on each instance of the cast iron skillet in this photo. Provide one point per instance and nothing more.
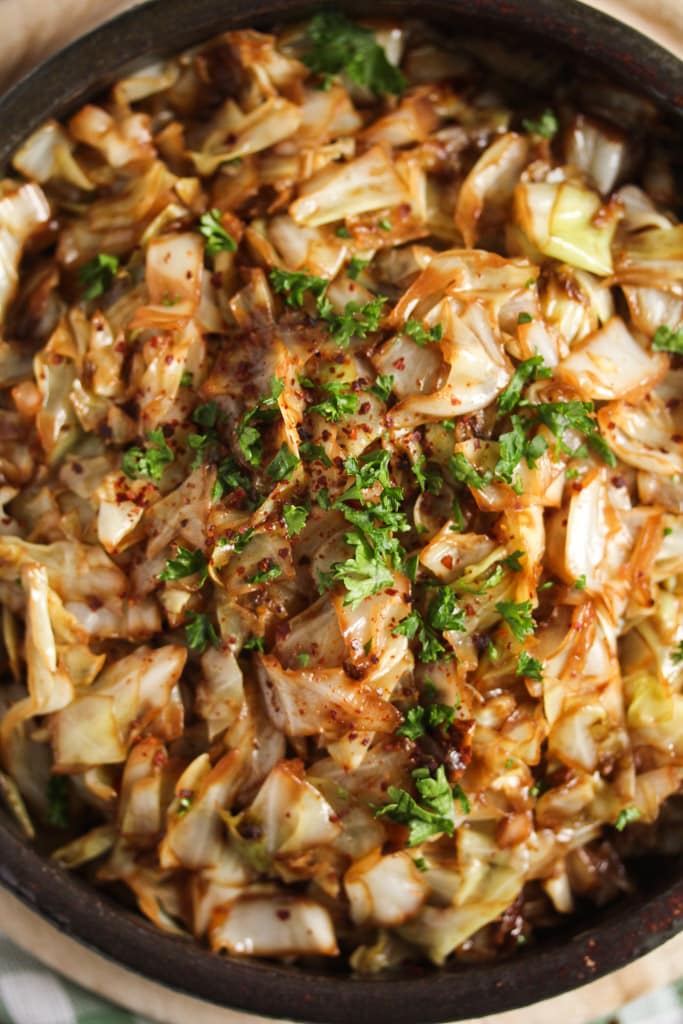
(581, 951)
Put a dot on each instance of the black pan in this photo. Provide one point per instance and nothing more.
(584, 949)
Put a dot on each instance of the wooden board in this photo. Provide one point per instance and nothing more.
(32, 30)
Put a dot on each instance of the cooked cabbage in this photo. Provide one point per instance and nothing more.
(341, 492)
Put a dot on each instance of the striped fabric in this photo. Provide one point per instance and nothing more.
(32, 994)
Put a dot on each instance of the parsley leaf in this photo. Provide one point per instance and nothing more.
(431, 817)
(341, 401)
(282, 465)
(518, 617)
(546, 125)
(338, 44)
(626, 817)
(528, 370)
(575, 415)
(265, 411)
(443, 611)
(525, 318)
(465, 473)
(513, 447)
(512, 561)
(310, 452)
(295, 517)
(185, 563)
(229, 477)
(217, 238)
(97, 274)
(384, 382)
(428, 479)
(419, 720)
(666, 340)
(528, 666)
(355, 321)
(293, 285)
(254, 643)
(460, 794)
(240, 540)
(58, 808)
(206, 415)
(420, 334)
(149, 462)
(200, 631)
(677, 654)
(364, 574)
(271, 572)
(355, 266)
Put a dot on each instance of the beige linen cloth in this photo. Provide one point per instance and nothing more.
(31, 30)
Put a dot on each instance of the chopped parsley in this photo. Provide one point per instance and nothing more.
(546, 125)
(355, 266)
(241, 540)
(575, 415)
(525, 318)
(461, 796)
(58, 808)
(217, 238)
(149, 462)
(310, 452)
(200, 632)
(513, 446)
(356, 321)
(340, 400)
(517, 617)
(186, 563)
(512, 561)
(230, 477)
(530, 667)
(339, 45)
(420, 334)
(466, 473)
(626, 817)
(419, 720)
(677, 654)
(382, 386)
(186, 381)
(254, 643)
(528, 370)
(428, 477)
(271, 572)
(364, 574)
(432, 816)
(580, 582)
(295, 517)
(97, 274)
(283, 464)
(293, 285)
(666, 340)
(265, 411)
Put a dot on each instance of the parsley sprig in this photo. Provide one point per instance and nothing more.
(149, 462)
(200, 632)
(337, 44)
(217, 238)
(667, 340)
(340, 400)
(186, 563)
(432, 816)
(97, 274)
(264, 411)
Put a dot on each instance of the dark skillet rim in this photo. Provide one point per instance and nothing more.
(625, 931)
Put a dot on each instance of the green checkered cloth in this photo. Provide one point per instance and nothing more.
(32, 994)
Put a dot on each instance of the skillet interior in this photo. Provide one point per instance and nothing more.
(571, 956)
